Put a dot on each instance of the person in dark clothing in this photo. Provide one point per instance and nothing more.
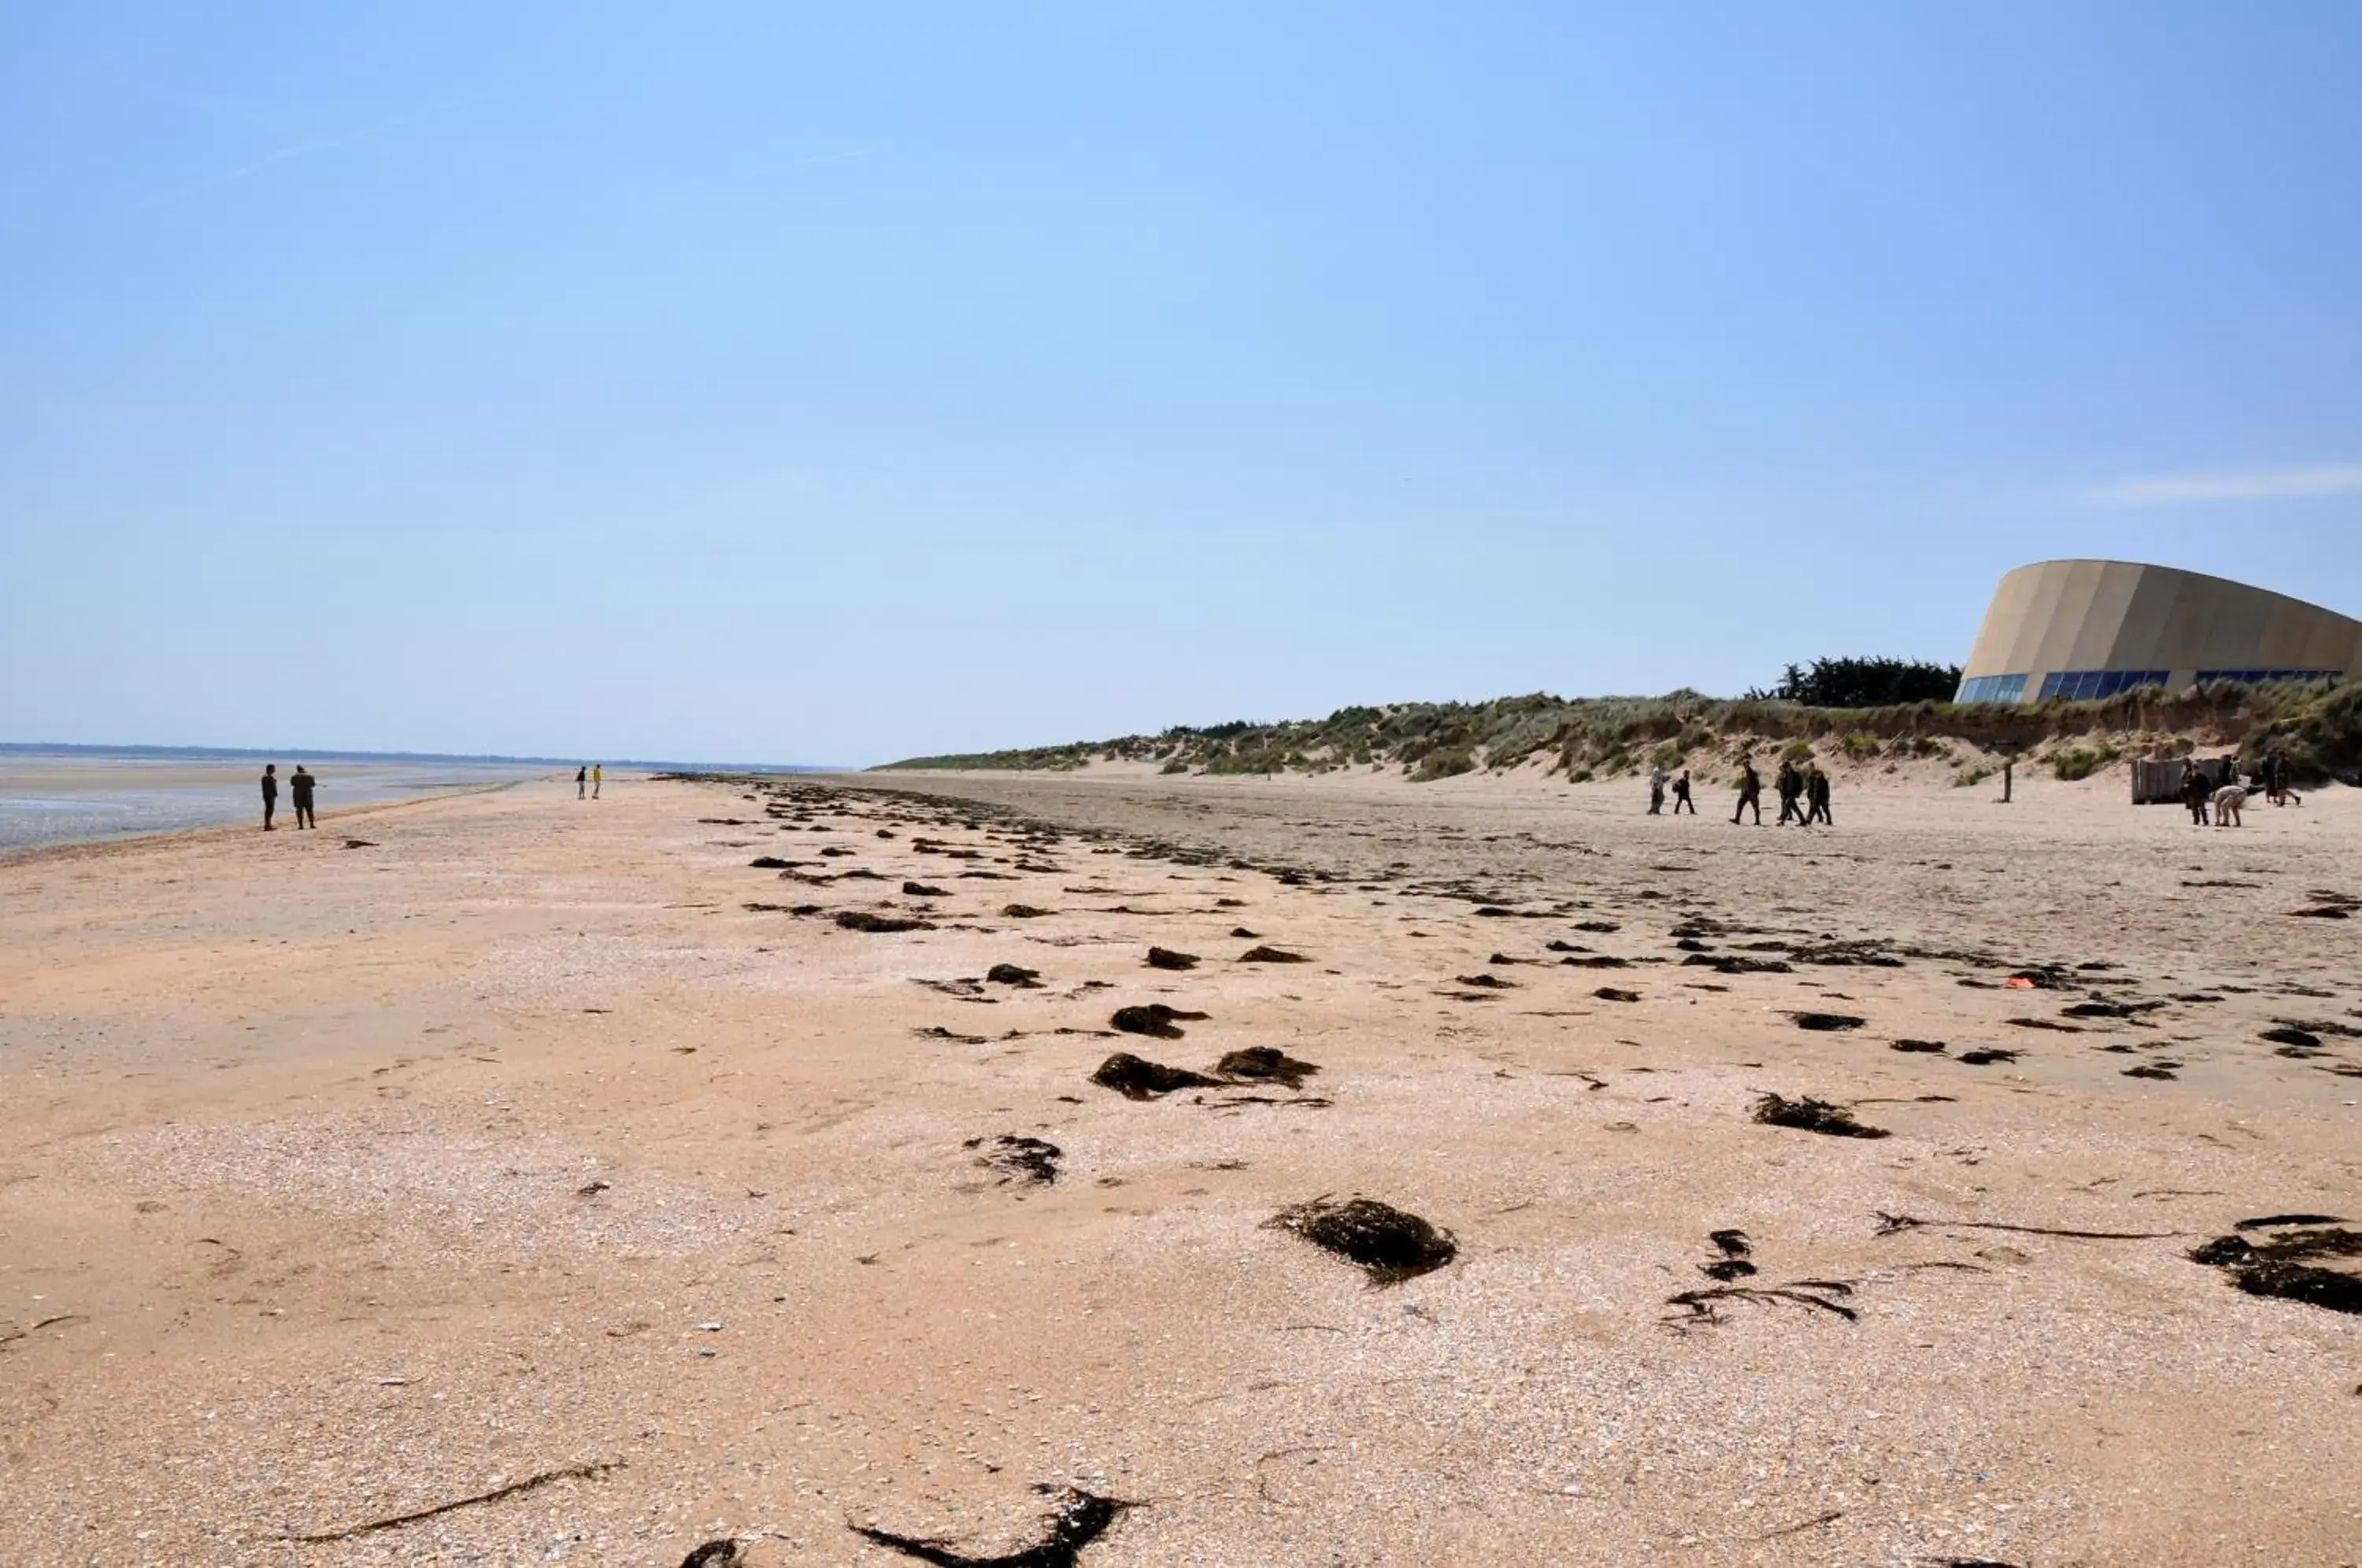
(1750, 790)
(582, 782)
(269, 793)
(1682, 801)
(2278, 773)
(1817, 797)
(2276, 779)
(1790, 784)
(299, 788)
(2196, 791)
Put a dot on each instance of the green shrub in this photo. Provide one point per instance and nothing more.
(1443, 764)
(2083, 762)
(1859, 747)
(1971, 776)
(1798, 751)
(1866, 683)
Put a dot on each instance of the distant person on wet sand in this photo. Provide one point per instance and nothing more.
(1682, 801)
(598, 775)
(1750, 790)
(299, 786)
(582, 782)
(1816, 796)
(269, 793)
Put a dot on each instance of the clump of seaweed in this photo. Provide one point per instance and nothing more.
(1702, 1306)
(1136, 1078)
(1812, 1115)
(866, 920)
(1266, 1064)
(2296, 1246)
(1153, 1018)
(1736, 1249)
(2281, 1264)
(1388, 1243)
(1079, 1519)
(1018, 1157)
(2297, 1282)
(1733, 964)
(1014, 974)
(1825, 1021)
(1166, 958)
(1272, 956)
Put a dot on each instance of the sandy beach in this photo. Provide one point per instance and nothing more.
(506, 1140)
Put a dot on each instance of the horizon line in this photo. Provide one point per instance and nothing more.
(349, 754)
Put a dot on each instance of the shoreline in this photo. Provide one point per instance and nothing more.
(227, 831)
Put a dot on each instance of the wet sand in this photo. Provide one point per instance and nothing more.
(345, 1183)
(54, 798)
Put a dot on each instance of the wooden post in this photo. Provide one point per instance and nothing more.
(2008, 770)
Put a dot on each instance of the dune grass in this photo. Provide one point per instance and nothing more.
(2318, 725)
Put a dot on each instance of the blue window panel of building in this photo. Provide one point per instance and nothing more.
(2092, 685)
(1991, 689)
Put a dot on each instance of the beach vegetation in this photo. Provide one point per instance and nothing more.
(2081, 762)
(2317, 726)
(1865, 683)
(1443, 763)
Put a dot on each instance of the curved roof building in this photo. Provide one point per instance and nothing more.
(2087, 629)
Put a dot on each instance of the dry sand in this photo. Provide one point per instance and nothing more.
(345, 1183)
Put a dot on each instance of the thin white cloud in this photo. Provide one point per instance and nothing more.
(306, 148)
(2241, 484)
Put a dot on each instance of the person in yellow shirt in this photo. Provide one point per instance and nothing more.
(597, 773)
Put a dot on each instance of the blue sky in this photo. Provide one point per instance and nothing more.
(768, 382)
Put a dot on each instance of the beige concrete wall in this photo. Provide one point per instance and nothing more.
(2085, 615)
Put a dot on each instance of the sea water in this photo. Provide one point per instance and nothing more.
(50, 798)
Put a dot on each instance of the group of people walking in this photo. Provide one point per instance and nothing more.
(587, 779)
(300, 785)
(1804, 793)
(2224, 803)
